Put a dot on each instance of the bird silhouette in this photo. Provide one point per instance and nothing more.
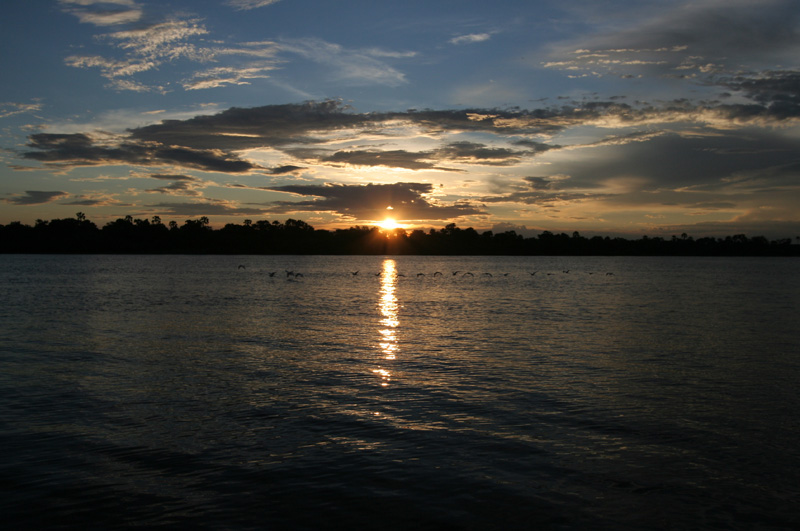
(437, 273)
(456, 272)
(241, 266)
(532, 274)
(354, 273)
(489, 274)
(467, 273)
(420, 275)
(272, 273)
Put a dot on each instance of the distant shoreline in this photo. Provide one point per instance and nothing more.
(294, 237)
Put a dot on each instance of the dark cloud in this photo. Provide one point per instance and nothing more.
(206, 208)
(88, 202)
(474, 153)
(672, 161)
(777, 91)
(393, 159)
(79, 149)
(281, 170)
(173, 177)
(371, 201)
(540, 191)
(535, 147)
(35, 197)
(279, 126)
(538, 183)
(176, 188)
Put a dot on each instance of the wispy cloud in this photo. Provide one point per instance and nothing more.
(471, 38)
(349, 65)
(11, 108)
(244, 5)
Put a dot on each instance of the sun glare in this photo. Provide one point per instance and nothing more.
(389, 224)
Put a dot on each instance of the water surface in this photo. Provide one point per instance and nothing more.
(603, 393)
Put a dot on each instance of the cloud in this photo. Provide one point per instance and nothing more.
(393, 159)
(351, 66)
(541, 191)
(89, 12)
(34, 197)
(480, 154)
(471, 38)
(210, 207)
(409, 201)
(245, 5)
(78, 149)
(227, 75)
(779, 91)
(281, 170)
(696, 38)
(10, 108)
(180, 185)
(170, 177)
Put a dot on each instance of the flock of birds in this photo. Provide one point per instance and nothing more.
(292, 275)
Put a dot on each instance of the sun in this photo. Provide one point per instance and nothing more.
(389, 224)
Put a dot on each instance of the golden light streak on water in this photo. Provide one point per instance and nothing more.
(388, 307)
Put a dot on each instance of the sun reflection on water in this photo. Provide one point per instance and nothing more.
(389, 322)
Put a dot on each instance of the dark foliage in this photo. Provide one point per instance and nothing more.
(128, 235)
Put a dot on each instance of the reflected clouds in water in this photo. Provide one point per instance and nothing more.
(388, 306)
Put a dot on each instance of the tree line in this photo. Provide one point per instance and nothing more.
(152, 236)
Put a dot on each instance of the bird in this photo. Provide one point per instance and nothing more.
(467, 273)
(456, 272)
(437, 273)
(241, 266)
(354, 273)
(488, 274)
(566, 271)
(420, 275)
(272, 273)
(289, 273)
(505, 274)
(532, 274)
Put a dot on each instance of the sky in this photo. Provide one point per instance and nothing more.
(607, 117)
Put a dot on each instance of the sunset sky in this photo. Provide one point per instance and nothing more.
(612, 117)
